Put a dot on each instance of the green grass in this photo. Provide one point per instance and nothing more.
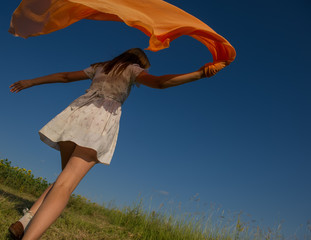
(83, 219)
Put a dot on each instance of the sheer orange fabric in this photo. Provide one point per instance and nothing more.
(159, 20)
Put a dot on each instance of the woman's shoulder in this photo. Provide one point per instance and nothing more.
(135, 69)
(93, 69)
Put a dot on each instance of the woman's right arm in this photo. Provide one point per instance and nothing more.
(172, 80)
(63, 77)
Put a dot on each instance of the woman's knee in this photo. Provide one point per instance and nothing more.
(63, 189)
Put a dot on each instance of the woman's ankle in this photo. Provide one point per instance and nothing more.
(28, 215)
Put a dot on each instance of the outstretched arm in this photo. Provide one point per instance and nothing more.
(63, 77)
(172, 80)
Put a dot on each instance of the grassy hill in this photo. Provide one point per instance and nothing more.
(84, 220)
(81, 220)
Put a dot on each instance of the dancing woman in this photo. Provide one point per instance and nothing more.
(86, 132)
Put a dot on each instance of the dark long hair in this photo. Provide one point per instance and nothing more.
(120, 63)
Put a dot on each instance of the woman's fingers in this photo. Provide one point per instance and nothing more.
(210, 69)
(14, 87)
(18, 86)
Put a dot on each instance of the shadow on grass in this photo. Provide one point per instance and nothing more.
(19, 202)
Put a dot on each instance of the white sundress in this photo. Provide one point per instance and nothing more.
(92, 120)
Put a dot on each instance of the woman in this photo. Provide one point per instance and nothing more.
(86, 132)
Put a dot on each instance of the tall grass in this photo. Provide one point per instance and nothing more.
(142, 224)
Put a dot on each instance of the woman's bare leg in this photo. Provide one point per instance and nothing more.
(66, 150)
(81, 161)
(37, 204)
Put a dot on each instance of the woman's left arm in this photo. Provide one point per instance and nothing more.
(63, 77)
(172, 80)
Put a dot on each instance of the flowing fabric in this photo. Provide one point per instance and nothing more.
(161, 21)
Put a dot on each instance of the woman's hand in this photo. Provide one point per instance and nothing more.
(20, 85)
(210, 69)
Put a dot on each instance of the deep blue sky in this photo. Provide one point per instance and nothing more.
(241, 139)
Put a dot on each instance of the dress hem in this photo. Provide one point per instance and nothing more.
(54, 144)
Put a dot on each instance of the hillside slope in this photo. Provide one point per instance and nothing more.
(73, 224)
(84, 220)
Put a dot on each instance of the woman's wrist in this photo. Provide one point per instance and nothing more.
(201, 73)
(31, 82)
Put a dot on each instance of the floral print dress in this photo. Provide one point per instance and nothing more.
(92, 120)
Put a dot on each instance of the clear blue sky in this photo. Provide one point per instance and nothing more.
(241, 139)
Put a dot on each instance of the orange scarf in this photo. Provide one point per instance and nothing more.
(159, 20)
